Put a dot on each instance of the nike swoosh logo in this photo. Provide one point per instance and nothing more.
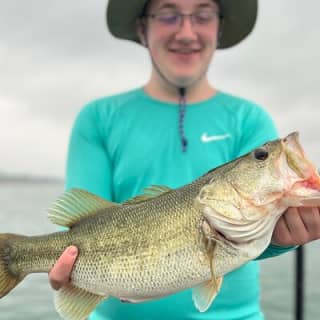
(205, 138)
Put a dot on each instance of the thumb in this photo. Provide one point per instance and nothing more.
(61, 271)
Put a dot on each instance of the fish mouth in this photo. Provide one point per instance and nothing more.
(305, 177)
(298, 162)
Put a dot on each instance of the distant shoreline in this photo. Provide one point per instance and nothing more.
(7, 178)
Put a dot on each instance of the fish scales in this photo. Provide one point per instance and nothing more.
(135, 250)
(144, 247)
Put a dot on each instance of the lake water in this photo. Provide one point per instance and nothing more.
(23, 210)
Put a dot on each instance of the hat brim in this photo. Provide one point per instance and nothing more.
(239, 18)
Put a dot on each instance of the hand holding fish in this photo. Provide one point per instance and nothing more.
(297, 226)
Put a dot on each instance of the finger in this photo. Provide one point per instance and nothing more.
(296, 226)
(311, 219)
(281, 235)
(60, 273)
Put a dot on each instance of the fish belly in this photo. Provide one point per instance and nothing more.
(143, 277)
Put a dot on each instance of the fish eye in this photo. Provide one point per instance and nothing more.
(261, 154)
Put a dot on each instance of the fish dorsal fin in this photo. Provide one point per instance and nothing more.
(73, 303)
(204, 294)
(74, 205)
(149, 193)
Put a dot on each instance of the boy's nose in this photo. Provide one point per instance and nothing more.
(186, 29)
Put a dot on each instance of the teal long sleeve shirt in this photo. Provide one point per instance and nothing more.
(123, 143)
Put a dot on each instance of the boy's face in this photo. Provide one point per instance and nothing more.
(181, 47)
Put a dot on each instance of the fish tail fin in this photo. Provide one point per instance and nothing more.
(8, 279)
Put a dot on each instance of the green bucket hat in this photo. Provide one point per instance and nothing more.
(239, 17)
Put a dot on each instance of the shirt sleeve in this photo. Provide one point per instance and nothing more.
(273, 251)
(88, 164)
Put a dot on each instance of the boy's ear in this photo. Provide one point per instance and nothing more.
(141, 31)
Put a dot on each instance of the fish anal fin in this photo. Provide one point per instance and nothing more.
(73, 303)
(149, 193)
(75, 205)
(204, 294)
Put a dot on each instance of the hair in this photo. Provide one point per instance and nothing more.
(145, 9)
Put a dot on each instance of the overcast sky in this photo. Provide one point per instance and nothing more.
(55, 56)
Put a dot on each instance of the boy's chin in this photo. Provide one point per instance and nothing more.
(183, 81)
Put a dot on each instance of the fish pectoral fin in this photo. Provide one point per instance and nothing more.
(75, 205)
(149, 193)
(204, 294)
(73, 303)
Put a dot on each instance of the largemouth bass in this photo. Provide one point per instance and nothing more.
(166, 240)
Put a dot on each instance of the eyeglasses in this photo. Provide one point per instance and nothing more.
(174, 20)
